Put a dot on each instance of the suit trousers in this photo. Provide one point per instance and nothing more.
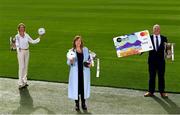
(159, 69)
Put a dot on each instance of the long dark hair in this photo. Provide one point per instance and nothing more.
(74, 42)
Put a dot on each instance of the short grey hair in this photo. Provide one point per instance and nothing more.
(155, 26)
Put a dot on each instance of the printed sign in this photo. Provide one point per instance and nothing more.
(132, 44)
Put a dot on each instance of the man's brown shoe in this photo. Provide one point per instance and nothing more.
(164, 95)
(148, 94)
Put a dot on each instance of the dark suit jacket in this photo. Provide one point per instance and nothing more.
(157, 56)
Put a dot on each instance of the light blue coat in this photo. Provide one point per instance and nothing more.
(73, 77)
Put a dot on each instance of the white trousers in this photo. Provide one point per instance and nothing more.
(23, 60)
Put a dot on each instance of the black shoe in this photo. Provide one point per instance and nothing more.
(84, 107)
(77, 107)
(26, 85)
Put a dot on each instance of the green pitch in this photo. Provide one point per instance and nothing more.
(98, 21)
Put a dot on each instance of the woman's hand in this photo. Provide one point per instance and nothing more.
(72, 60)
(40, 36)
(87, 64)
(90, 65)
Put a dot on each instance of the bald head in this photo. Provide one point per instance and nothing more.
(156, 29)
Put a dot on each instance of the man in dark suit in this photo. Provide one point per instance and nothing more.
(156, 62)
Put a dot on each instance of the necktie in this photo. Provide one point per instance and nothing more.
(157, 43)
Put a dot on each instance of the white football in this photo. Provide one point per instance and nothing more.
(71, 55)
(41, 31)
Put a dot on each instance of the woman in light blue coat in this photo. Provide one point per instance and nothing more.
(79, 76)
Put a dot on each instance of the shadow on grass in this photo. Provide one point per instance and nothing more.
(83, 112)
(168, 105)
(26, 104)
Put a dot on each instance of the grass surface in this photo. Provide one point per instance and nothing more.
(98, 21)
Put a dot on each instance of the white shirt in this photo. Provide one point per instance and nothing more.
(159, 41)
(23, 42)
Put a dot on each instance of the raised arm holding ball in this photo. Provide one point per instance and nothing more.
(22, 40)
